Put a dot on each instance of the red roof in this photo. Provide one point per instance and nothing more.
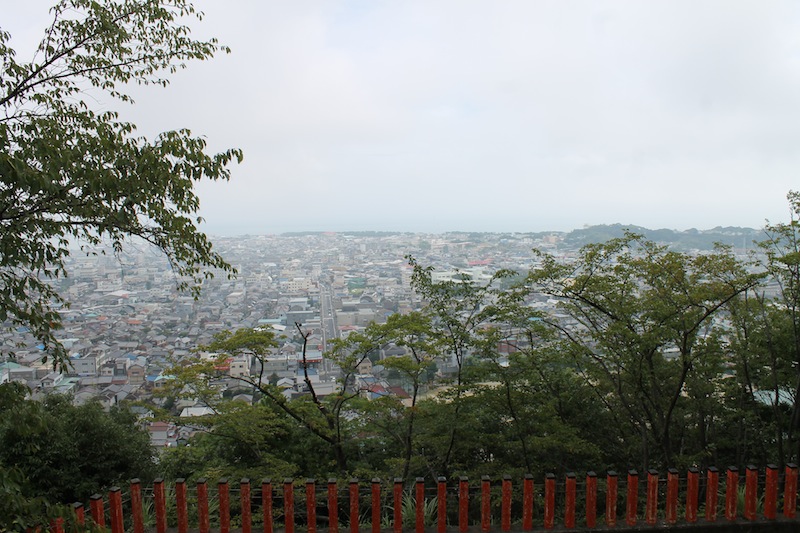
(399, 392)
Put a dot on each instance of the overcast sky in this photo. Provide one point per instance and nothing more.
(486, 115)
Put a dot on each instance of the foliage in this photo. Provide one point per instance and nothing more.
(782, 249)
(18, 510)
(654, 358)
(408, 507)
(414, 333)
(757, 416)
(71, 174)
(65, 453)
(461, 309)
(322, 417)
(641, 325)
(238, 441)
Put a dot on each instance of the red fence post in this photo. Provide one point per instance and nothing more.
(486, 510)
(115, 510)
(441, 505)
(463, 504)
(671, 509)
(354, 508)
(80, 513)
(181, 505)
(376, 505)
(651, 501)
(712, 486)
(311, 505)
(611, 499)
(569, 503)
(333, 506)
(692, 494)
(790, 491)
(505, 505)
(750, 492)
(591, 499)
(731, 492)
(136, 506)
(223, 496)
(549, 500)
(771, 493)
(419, 498)
(398, 505)
(288, 505)
(266, 504)
(527, 503)
(96, 508)
(244, 499)
(202, 506)
(632, 497)
(160, 502)
(57, 525)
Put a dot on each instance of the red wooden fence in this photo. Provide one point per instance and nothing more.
(490, 505)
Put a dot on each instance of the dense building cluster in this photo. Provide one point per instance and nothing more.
(127, 322)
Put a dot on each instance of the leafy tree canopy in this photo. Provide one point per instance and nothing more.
(642, 321)
(69, 173)
(66, 453)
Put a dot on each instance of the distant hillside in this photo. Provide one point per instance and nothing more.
(691, 239)
(346, 233)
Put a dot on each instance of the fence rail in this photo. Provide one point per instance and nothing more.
(622, 501)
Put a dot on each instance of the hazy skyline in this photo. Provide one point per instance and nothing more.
(485, 116)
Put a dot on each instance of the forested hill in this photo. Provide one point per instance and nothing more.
(691, 239)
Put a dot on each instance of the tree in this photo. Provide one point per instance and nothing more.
(322, 417)
(548, 417)
(414, 333)
(71, 174)
(67, 453)
(20, 509)
(239, 440)
(460, 308)
(761, 355)
(641, 322)
(781, 340)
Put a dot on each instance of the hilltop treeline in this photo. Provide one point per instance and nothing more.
(690, 239)
(687, 240)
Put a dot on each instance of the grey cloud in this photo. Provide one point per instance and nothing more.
(513, 115)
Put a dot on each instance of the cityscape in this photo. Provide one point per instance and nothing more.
(392, 243)
(127, 323)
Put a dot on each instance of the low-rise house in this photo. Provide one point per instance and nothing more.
(191, 412)
(136, 374)
(163, 434)
(239, 366)
(17, 372)
(51, 380)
